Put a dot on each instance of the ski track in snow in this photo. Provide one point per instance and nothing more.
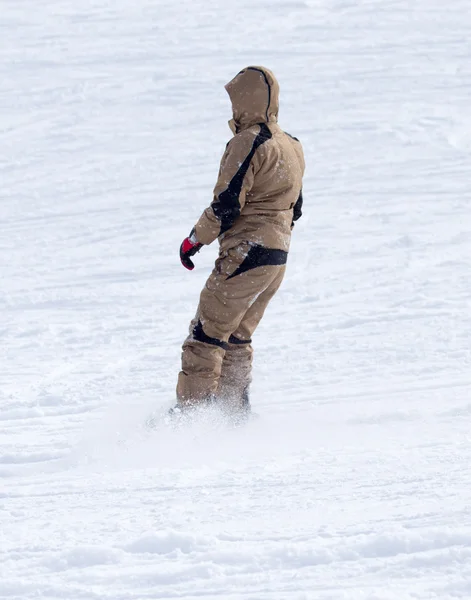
(354, 483)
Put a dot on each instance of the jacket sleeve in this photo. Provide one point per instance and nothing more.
(297, 209)
(235, 180)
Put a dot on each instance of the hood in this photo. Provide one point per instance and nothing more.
(254, 93)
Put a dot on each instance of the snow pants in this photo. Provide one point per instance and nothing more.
(217, 355)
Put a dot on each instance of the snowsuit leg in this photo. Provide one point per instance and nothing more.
(217, 355)
(236, 372)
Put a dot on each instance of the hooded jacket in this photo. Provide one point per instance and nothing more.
(258, 194)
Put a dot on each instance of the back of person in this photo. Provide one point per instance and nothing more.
(267, 215)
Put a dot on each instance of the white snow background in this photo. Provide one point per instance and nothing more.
(355, 482)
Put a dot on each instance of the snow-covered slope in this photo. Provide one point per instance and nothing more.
(354, 484)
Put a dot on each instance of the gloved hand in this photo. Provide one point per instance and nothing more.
(188, 249)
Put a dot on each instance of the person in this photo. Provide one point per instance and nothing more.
(257, 199)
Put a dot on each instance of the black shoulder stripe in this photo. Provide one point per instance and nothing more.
(227, 206)
(292, 136)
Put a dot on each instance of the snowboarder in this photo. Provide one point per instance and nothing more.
(257, 199)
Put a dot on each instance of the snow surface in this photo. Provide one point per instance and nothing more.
(355, 482)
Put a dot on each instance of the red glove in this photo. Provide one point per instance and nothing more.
(188, 249)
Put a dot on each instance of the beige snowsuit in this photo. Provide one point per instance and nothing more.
(257, 198)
